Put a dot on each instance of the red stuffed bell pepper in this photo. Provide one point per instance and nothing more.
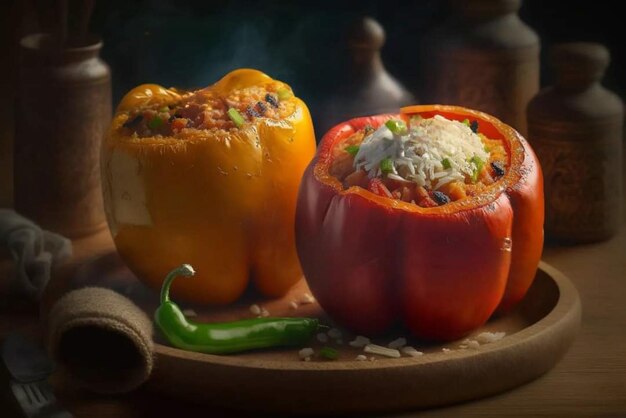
(433, 217)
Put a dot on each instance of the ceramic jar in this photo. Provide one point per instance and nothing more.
(485, 58)
(575, 127)
(63, 109)
(367, 87)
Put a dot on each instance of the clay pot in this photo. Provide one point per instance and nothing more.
(63, 109)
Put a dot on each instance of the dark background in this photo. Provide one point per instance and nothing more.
(194, 43)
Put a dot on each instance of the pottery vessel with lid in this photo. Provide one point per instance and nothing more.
(576, 129)
(485, 58)
(63, 109)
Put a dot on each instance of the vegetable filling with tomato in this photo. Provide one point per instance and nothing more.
(207, 110)
(222, 188)
(427, 161)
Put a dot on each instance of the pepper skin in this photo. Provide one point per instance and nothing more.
(443, 271)
(224, 202)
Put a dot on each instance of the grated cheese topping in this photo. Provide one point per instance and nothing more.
(418, 154)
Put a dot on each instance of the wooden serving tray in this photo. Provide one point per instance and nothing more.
(538, 333)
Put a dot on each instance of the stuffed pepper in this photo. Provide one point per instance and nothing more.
(209, 177)
(432, 217)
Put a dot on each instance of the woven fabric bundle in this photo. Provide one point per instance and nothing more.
(102, 339)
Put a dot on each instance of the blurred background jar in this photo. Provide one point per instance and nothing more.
(366, 87)
(63, 109)
(483, 57)
(576, 129)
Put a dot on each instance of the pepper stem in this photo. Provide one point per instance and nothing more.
(182, 270)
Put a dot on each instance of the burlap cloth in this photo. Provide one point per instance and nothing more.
(101, 339)
(34, 252)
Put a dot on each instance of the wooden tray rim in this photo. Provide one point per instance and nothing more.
(567, 306)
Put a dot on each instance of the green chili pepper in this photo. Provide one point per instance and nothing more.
(236, 117)
(396, 126)
(352, 149)
(284, 94)
(226, 337)
(329, 353)
(478, 163)
(446, 163)
(155, 122)
(386, 166)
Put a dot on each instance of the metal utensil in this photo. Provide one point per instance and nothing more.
(29, 367)
(37, 400)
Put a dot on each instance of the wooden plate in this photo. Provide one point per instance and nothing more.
(538, 333)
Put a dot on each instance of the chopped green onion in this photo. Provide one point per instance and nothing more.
(284, 94)
(446, 163)
(396, 126)
(487, 149)
(329, 353)
(415, 119)
(466, 122)
(478, 163)
(368, 129)
(352, 149)
(164, 109)
(236, 117)
(386, 166)
(155, 122)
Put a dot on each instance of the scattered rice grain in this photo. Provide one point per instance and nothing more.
(489, 337)
(321, 337)
(255, 309)
(397, 343)
(359, 341)
(360, 357)
(189, 312)
(411, 351)
(380, 350)
(306, 353)
(307, 298)
(334, 333)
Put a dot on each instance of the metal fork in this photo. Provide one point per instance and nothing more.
(37, 400)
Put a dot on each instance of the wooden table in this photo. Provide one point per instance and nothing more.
(589, 381)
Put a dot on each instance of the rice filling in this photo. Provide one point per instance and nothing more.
(427, 161)
(206, 110)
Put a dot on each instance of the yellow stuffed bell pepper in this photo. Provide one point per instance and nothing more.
(209, 178)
